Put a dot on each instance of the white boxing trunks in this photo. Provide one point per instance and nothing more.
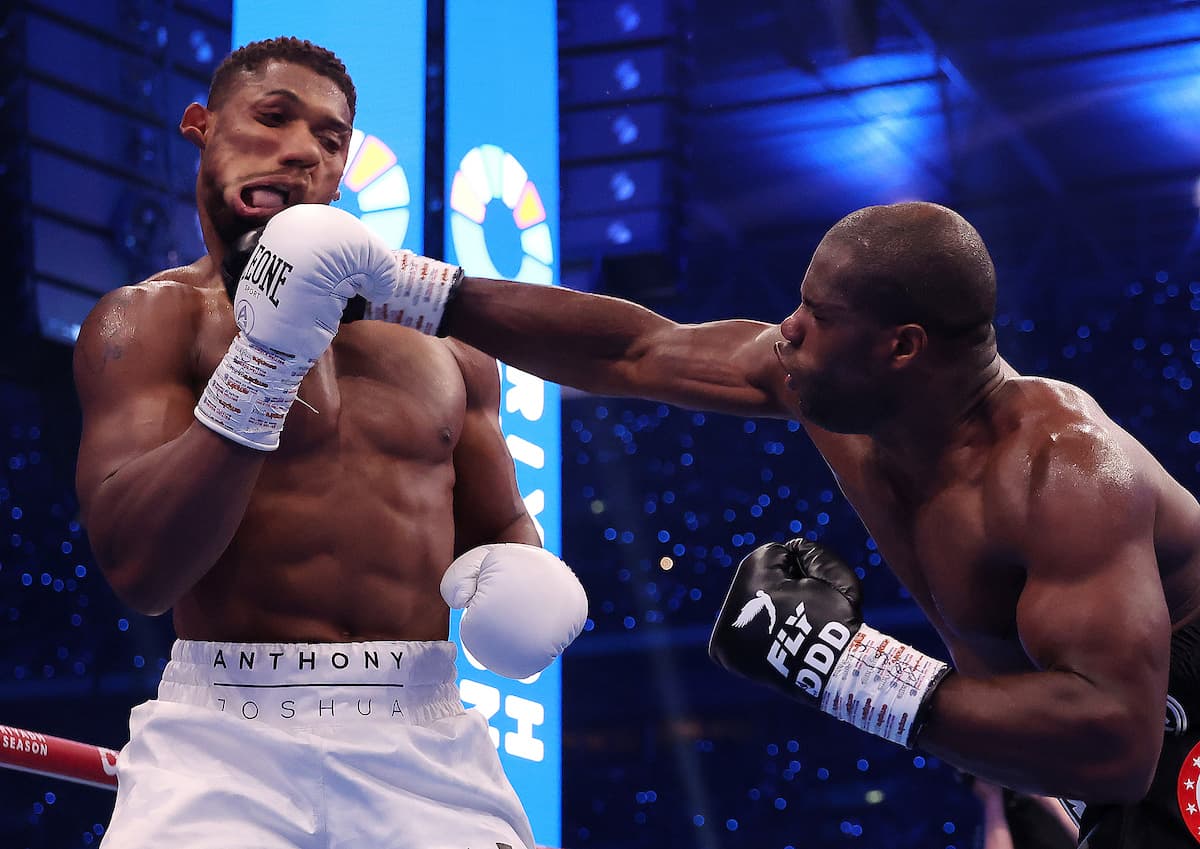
(298, 745)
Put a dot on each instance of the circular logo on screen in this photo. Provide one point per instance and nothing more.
(378, 187)
(487, 173)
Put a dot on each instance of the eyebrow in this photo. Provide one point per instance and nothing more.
(819, 305)
(335, 123)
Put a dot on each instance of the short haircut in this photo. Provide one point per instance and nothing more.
(919, 263)
(251, 57)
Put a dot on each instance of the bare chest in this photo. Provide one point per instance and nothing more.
(378, 390)
(940, 549)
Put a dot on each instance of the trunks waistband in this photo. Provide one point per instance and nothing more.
(306, 685)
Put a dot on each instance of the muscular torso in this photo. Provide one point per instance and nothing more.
(351, 522)
(950, 541)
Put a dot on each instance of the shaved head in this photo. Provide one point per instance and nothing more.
(918, 263)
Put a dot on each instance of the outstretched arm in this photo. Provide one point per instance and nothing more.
(1093, 620)
(611, 346)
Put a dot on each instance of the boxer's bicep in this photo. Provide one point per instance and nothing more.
(1093, 604)
(488, 506)
(132, 383)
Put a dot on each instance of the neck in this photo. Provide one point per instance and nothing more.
(213, 242)
(944, 416)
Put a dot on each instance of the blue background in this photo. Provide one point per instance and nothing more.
(382, 43)
(501, 89)
(704, 149)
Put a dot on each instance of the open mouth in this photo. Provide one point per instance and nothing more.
(264, 199)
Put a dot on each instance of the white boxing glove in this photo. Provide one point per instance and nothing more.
(309, 261)
(522, 606)
(424, 287)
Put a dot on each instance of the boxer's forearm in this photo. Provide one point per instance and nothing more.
(611, 346)
(1052, 733)
(521, 529)
(565, 336)
(473, 529)
(161, 521)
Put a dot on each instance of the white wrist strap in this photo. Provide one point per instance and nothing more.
(879, 685)
(249, 395)
(423, 288)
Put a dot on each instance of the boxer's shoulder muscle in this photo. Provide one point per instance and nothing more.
(145, 328)
(133, 368)
(1060, 463)
(480, 374)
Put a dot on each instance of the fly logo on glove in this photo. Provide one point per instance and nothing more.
(753, 607)
(819, 657)
(822, 653)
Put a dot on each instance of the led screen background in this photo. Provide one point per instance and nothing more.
(383, 47)
(501, 190)
(501, 101)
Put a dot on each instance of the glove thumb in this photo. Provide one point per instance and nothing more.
(461, 579)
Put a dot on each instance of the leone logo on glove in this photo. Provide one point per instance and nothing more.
(268, 271)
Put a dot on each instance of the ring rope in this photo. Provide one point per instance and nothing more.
(57, 757)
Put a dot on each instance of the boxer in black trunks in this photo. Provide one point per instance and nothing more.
(1052, 553)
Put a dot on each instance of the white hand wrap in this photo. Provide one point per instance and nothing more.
(309, 261)
(879, 685)
(249, 395)
(522, 606)
(424, 288)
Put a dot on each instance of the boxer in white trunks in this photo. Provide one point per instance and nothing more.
(309, 552)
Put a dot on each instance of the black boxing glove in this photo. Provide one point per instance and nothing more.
(792, 620)
(239, 254)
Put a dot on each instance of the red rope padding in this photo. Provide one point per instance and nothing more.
(58, 758)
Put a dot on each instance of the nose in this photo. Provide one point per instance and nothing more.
(300, 147)
(792, 328)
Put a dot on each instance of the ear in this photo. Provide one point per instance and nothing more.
(908, 342)
(193, 126)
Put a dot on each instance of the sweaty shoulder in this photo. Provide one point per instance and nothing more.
(157, 321)
(1058, 454)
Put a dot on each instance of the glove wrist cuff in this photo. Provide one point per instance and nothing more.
(424, 287)
(879, 685)
(249, 394)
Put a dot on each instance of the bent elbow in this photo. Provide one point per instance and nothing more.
(1126, 784)
(1138, 772)
(135, 591)
(1127, 755)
